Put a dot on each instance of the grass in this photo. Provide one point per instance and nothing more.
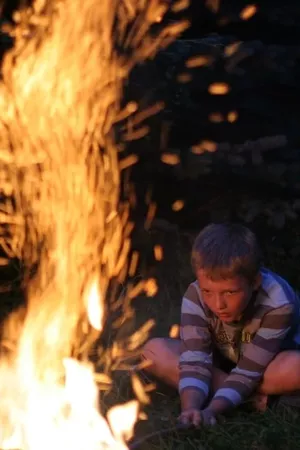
(242, 429)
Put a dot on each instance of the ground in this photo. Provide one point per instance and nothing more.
(275, 429)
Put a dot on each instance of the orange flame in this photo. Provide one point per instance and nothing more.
(59, 100)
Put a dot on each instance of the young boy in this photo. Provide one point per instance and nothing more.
(240, 330)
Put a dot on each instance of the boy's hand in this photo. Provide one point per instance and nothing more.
(208, 417)
(195, 417)
(191, 416)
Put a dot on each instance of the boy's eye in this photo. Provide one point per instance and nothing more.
(231, 292)
(204, 291)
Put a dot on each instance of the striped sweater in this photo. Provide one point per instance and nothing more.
(273, 325)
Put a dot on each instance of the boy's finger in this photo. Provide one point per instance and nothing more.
(197, 419)
(212, 421)
(184, 419)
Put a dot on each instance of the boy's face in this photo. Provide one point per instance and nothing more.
(228, 298)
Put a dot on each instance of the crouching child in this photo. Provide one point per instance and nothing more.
(240, 330)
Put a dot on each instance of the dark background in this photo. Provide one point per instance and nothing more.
(254, 175)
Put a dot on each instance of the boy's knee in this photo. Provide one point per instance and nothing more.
(286, 361)
(152, 349)
(290, 362)
(162, 356)
(283, 370)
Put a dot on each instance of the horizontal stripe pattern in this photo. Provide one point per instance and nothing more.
(265, 333)
(198, 356)
(231, 394)
(273, 318)
(254, 361)
(189, 307)
(195, 362)
(246, 373)
(259, 355)
(195, 383)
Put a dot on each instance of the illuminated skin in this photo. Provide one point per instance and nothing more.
(227, 299)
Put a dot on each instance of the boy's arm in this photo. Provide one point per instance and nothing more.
(249, 371)
(195, 363)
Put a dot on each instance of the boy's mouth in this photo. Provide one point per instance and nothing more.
(223, 315)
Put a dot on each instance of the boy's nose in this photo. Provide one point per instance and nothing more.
(220, 302)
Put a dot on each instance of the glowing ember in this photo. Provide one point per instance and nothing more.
(248, 12)
(218, 89)
(198, 61)
(178, 205)
(170, 158)
(158, 252)
(232, 116)
(174, 331)
(216, 117)
(182, 78)
(204, 146)
(59, 100)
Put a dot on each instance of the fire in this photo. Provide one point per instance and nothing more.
(122, 419)
(94, 306)
(65, 416)
(62, 215)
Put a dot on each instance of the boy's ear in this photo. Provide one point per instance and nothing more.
(257, 281)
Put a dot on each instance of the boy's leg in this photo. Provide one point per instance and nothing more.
(282, 375)
(163, 353)
(164, 356)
